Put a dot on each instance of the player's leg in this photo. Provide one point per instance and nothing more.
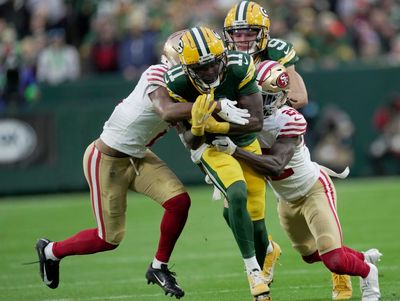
(158, 182)
(267, 252)
(226, 173)
(324, 223)
(108, 180)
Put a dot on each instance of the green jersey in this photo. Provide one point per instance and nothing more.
(239, 80)
(280, 51)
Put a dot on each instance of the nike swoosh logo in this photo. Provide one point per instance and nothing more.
(45, 280)
(245, 60)
(286, 51)
(161, 282)
(297, 118)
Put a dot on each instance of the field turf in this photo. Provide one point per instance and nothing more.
(206, 259)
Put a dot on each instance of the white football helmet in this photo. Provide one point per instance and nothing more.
(273, 81)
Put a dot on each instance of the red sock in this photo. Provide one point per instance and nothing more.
(359, 255)
(82, 243)
(345, 263)
(173, 221)
(314, 257)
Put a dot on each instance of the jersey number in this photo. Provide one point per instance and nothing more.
(289, 112)
(278, 44)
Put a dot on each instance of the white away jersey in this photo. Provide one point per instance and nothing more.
(134, 124)
(301, 173)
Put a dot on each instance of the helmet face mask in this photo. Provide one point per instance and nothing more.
(208, 75)
(203, 56)
(273, 101)
(247, 19)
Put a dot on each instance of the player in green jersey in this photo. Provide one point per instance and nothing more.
(209, 72)
(246, 28)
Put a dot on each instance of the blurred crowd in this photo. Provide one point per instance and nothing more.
(54, 41)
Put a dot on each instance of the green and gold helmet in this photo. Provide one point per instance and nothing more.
(203, 55)
(251, 17)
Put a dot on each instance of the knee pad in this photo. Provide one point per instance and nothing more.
(327, 242)
(115, 239)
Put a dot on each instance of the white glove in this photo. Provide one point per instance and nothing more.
(224, 144)
(231, 113)
(216, 193)
(195, 154)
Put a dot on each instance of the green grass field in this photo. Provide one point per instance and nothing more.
(206, 258)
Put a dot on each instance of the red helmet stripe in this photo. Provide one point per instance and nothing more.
(263, 69)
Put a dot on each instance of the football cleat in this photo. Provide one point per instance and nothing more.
(263, 297)
(342, 288)
(370, 285)
(258, 284)
(270, 261)
(372, 256)
(165, 279)
(49, 269)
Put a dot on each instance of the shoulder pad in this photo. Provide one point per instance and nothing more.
(282, 51)
(175, 80)
(242, 66)
(292, 123)
(155, 74)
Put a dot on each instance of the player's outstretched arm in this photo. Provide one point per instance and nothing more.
(268, 165)
(169, 110)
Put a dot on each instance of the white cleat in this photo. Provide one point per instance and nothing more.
(372, 256)
(258, 283)
(370, 285)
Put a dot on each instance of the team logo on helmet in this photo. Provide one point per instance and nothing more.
(179, 47)
(283, 80)
(264, 12)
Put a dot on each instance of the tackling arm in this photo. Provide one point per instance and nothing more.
(172, 112)
(169, 110)
(272, 164)
(298, 92)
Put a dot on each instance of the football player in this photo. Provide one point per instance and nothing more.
(246, 28)
(209, 72)
(306, 194)
(120, 160)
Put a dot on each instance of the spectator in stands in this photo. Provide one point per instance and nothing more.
(104, 49)
(386, 147)
(58, 62)
(138, 49)
(334, 131)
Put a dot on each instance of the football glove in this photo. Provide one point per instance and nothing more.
(216, 127)
(201, 110)
(231, 113)
(224, 144)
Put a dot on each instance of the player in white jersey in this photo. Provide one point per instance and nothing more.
(306, 195)
(120, 160)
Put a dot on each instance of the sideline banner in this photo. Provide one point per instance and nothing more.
(26, 141)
